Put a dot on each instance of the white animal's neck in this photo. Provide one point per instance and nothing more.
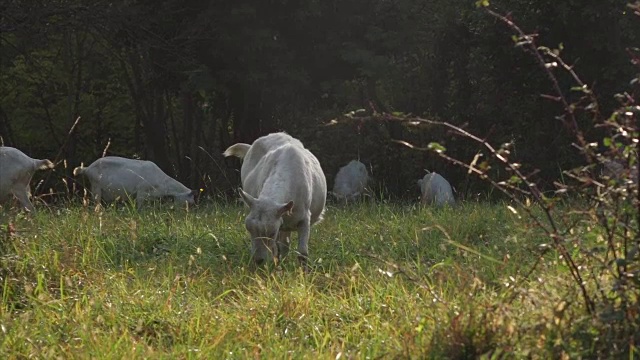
(175, 185)
(277, 187)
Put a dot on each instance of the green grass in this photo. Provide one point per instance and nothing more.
(387, 281)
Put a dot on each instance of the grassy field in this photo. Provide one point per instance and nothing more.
(387, 281)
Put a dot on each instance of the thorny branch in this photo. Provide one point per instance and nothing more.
(570, 122)
(527, 42)
(553, 231)
(569, 119)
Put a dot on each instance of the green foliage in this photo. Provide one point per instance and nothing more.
(165, 80)
(595, 234)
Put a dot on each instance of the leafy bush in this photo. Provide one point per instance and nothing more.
(590, 220)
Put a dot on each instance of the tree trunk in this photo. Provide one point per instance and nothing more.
(150, 113)
(156, 132)
(6, 134)
(187, 157)
(246, 120)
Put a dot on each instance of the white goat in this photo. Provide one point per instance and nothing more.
(285, 188)
(351, 181)
(113, 177)
(616, 169)
(16, 170)
(436, 190)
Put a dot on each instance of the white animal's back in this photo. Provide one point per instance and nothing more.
(16, 171)
(436, 190)
(295, 168)
(115, 177)
(285, 188)
(261, 147)
(351, 180)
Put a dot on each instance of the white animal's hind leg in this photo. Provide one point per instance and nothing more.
(23, 198)
(97, 197)
(304, 230)
(140, 198)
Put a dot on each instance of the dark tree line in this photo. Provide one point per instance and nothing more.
(178, 81)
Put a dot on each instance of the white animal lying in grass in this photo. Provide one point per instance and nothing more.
(16, 170)
(436, 190)
(115, 177)
(285, 189)
(351, 181)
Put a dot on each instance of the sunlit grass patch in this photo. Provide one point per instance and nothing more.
(386, 280)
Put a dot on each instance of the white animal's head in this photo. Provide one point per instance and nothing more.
(189, 197)
(426, 178)
(263, 223)
(350, 181)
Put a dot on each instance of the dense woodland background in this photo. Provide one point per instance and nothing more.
(177, 82)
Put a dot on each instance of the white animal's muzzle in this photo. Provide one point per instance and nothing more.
(263, 249)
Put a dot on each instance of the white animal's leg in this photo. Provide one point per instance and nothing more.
(97, 197)
(283, 243)
(255, 245)
(141, 196)
(27, 191)
(304, 230)
(272, 245)
(23, 198)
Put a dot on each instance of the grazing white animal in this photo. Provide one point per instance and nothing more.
(113, 177)
(16, 170)
(285, 188)
(436, 190)
(351, 181)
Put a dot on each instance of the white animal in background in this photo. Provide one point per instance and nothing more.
(616, 169)
(436, 190)
(16, 170)
(114, 177)
(351, 181)
(285, 188)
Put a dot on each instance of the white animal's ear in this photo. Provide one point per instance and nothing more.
(420, 182)
(248, 199)
(286, 208)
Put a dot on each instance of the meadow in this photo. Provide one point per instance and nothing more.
(387, 280)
